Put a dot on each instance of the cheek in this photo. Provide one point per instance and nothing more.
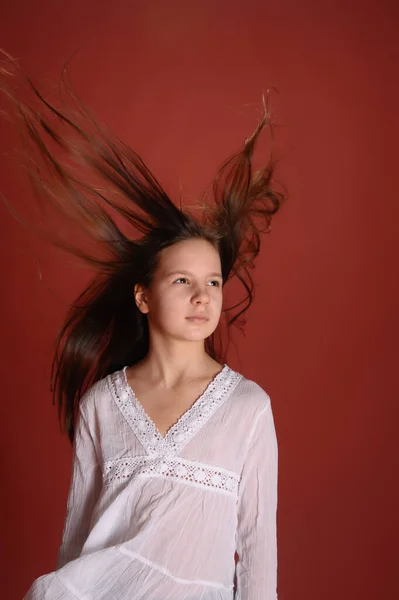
(170, 301)
(218, 296)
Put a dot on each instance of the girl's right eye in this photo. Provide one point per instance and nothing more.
(181, 279)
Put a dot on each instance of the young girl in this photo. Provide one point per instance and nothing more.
(174, 484)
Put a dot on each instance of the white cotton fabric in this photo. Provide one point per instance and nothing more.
(161, 518)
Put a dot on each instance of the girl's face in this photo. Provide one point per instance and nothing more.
(187, 283)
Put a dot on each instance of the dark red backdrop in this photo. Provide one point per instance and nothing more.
(181, 82)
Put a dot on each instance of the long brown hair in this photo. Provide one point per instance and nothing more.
(89, 176)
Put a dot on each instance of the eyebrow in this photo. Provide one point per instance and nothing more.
(182, 272)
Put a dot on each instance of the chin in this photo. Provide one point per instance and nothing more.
(202, 334)
(196, 333)
(196, 336)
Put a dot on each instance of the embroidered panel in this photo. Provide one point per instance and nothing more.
(178, 469)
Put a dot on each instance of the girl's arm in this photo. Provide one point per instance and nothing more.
(84, 490)
(256, 535)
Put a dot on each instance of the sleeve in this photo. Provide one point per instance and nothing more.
(84, 490)
(256, 569)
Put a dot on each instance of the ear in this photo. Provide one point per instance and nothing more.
(140, 296)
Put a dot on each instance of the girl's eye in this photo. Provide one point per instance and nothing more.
(185, 279)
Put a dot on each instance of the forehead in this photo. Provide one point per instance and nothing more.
(190, 255)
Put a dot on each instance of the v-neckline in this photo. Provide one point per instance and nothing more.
(183, 430)
(157, 434)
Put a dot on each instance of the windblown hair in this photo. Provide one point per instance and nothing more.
(86, 174)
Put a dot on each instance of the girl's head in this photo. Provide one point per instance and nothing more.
(186, 282)
(168, 268)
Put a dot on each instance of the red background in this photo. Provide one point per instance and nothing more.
(181, 82)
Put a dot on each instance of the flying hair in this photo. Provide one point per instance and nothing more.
(86, 175)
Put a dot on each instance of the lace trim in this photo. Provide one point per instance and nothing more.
(178, 469)
(191, 421)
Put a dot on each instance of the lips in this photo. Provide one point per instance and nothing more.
(198, 318)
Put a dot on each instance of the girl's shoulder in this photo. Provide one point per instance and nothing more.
(97, 397)
(251, 395)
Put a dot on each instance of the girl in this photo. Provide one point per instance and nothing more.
(173, 493)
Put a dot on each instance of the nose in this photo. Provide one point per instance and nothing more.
(200, 296)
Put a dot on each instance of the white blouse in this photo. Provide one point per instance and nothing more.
(164, 518)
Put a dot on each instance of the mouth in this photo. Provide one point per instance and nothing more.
(198, 319)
